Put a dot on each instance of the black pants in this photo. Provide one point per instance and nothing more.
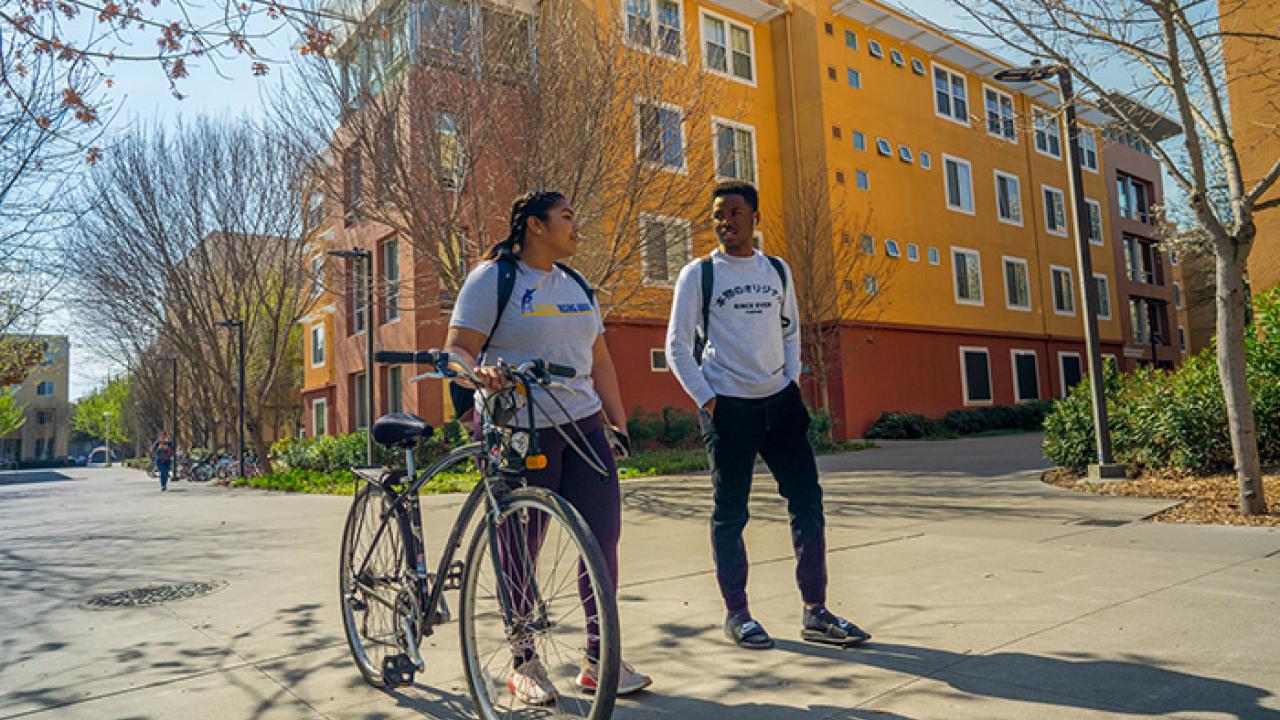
(776, 428)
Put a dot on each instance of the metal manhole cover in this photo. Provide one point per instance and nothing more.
(152, 595)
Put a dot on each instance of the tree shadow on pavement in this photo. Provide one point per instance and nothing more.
(37, 476)
(1135, 684)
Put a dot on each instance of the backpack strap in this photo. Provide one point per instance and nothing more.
(582, 282)
(506, 285)
(708, 286)
(782, 273)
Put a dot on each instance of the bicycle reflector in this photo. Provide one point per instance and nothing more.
(536, 462)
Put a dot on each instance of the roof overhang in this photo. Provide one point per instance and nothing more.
(757, 10)
(920, 33)
(1157, 125)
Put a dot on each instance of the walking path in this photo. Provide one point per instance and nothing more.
(990, 594)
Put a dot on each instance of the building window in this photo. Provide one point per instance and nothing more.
(360, 392)
(352, 186)
(895, 57)
(319, 417)
(884, 147)
(1070, 370)
(934, 257)
(666, 247)
(855, 78)
(967, 268)
(315, 209)
(359, 271)
(662, 37)
(1000, 116)
(44, 417)
(913, 252)
(735, 150)
(874, 49)
(850, 39)
(862, 179)
(1135, 198)
(926, 161)
(1142, 261)
(831, 73)
(317, 276)
(859, 140)
(1008, 198)
(835, 132)
(1048, 139)
(950, 95)
(917, 66)
(870, 284)
(839, 177)
(1026, 376)
(891, 248)
(828, 28)
(661, 134)
(904, 154)
(1088, 151)
(449, 150)
(45, 388)
(1064, 298)
(868, 245)
(975, 375)
(959, 180)
(658, 360)
(395, 389)
(391, 278)
(317, 346)
(1055, 211)
(1095, 222)
(1182, 338)
(1017, 284)
(729, 48)
(1102, 295)
(1177, 295)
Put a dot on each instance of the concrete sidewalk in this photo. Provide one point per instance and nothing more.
(990, 594)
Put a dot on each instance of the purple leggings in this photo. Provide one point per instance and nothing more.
(598, 499)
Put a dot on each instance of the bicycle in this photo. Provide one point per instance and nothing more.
(511, 595)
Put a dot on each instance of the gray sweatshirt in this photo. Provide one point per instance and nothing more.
(749, 353)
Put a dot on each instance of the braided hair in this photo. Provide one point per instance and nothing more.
(535, 203)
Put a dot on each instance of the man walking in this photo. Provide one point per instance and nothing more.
(162, 456)
(733, 342)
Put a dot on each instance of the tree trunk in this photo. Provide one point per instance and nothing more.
(1235, 385)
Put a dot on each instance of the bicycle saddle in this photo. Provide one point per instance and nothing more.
(400, 430)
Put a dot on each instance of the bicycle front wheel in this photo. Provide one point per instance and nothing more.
(537, 608)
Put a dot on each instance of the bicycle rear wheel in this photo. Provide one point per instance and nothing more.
(561, 599)
(375, 579)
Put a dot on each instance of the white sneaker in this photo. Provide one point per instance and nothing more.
(629, 680)
(530, 685)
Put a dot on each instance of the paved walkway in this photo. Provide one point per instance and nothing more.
(991, 596)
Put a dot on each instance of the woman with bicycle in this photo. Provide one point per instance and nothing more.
(552, 315)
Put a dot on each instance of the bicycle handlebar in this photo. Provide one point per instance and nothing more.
(449, 366)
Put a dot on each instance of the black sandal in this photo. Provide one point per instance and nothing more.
(747, 633)
(823, 626)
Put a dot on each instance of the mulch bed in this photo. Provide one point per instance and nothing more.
(1212, 500)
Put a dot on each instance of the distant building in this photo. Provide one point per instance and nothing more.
(45, 434)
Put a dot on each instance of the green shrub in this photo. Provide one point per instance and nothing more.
(333, 453)
(907, 426)
(1176, 419)
(670, 427)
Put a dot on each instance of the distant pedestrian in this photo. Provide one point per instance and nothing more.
(734, 344)
(162, 456)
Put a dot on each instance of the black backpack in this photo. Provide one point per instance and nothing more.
(708, 283)
(464, 398)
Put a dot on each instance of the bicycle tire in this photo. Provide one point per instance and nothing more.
(364, 518)
(480, 614)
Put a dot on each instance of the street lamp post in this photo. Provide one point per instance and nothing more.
(239, 326)
(1105, 468)
(355, 255)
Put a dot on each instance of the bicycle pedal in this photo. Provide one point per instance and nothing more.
(442, 614)
(397, 670)
(453, 576)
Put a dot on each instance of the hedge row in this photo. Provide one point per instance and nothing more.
(969, 421)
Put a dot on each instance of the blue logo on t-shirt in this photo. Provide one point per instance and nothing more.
(526, 301)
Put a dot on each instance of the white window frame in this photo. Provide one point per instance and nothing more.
(399, 396)
(964, 376)
(884, 147)
(946, 190)
(955, 286)
(917, 66)
(865, 241)
(1013, 113)
(850, 34)
(323, 404)
(897, 58)
(933, 94)
(1066, 225)
(1177, 295)
(892, 248)
(862, 179)
(853, 78)
(935, 256)
(1093, 148)
(389, 283)
(1039, 116)
(1053, 286)
(875, 49)
(1182, 339)
(683, 168)
(1062, 374)
(646, 219)
(654, 353)
(1106, 286)
(913, 252)
(1026, 268)
(324, 348)
(1017, 181)
(1102, 228)
(870, 284)
(1013, 362)
(728, 50)
(717, 121)
(859, 140)
(926, 160)
(654, 44)
(904, 154)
